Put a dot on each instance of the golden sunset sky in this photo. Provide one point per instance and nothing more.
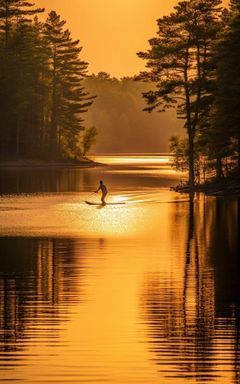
(111, 32)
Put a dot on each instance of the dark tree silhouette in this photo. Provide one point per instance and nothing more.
(42, 99)
(178, 64)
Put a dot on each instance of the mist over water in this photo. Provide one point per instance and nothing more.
(142, 292)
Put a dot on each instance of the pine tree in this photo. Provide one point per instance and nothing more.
(226, 119)
(68, 98)
(12, 12)
(39, 129)
(17, 64)
(41, 93)
(178, 62)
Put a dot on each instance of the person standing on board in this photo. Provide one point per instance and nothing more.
(104, 190)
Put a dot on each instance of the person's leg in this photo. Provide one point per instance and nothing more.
(103, 198)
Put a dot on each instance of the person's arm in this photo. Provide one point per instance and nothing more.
(98, 189)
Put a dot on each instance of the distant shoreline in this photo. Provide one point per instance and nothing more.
(132, 154)
(85, 163)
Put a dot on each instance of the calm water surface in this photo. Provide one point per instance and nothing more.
(143, 292)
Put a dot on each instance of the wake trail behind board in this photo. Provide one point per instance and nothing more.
(90, 203)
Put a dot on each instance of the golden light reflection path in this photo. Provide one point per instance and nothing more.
(134, 159)
(69, 215)
(143, 292)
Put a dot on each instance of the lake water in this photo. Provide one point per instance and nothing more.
(146, 291)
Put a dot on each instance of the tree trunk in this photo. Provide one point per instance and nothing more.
(191, 161)
(239, 151)
(53, 133)
(189, 124)
(219, 171)
(53, 136)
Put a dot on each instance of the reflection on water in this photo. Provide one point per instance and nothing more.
(132, 160)
(64, 215)
(35, 283)
(193, 327)
(118, 173)
(147, 292)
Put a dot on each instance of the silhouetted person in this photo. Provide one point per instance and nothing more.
(104, 190)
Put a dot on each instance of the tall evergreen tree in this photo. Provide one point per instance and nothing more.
(68, 98)
(12, 12)
(16, 58)
(178, 62)
(226, 116)
(39, 132)
(41, 94)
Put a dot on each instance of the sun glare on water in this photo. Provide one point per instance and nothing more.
(134, 160)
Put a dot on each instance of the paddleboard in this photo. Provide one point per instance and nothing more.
(90, 203)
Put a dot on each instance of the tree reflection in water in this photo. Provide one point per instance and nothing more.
(192, 317)
(38, 277)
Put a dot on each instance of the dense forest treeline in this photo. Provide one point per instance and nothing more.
(45, 91)
(42, 98)
(194, 64)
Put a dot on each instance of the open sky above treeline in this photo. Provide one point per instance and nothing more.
(112, 31)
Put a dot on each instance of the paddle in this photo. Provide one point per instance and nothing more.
(91, 194)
